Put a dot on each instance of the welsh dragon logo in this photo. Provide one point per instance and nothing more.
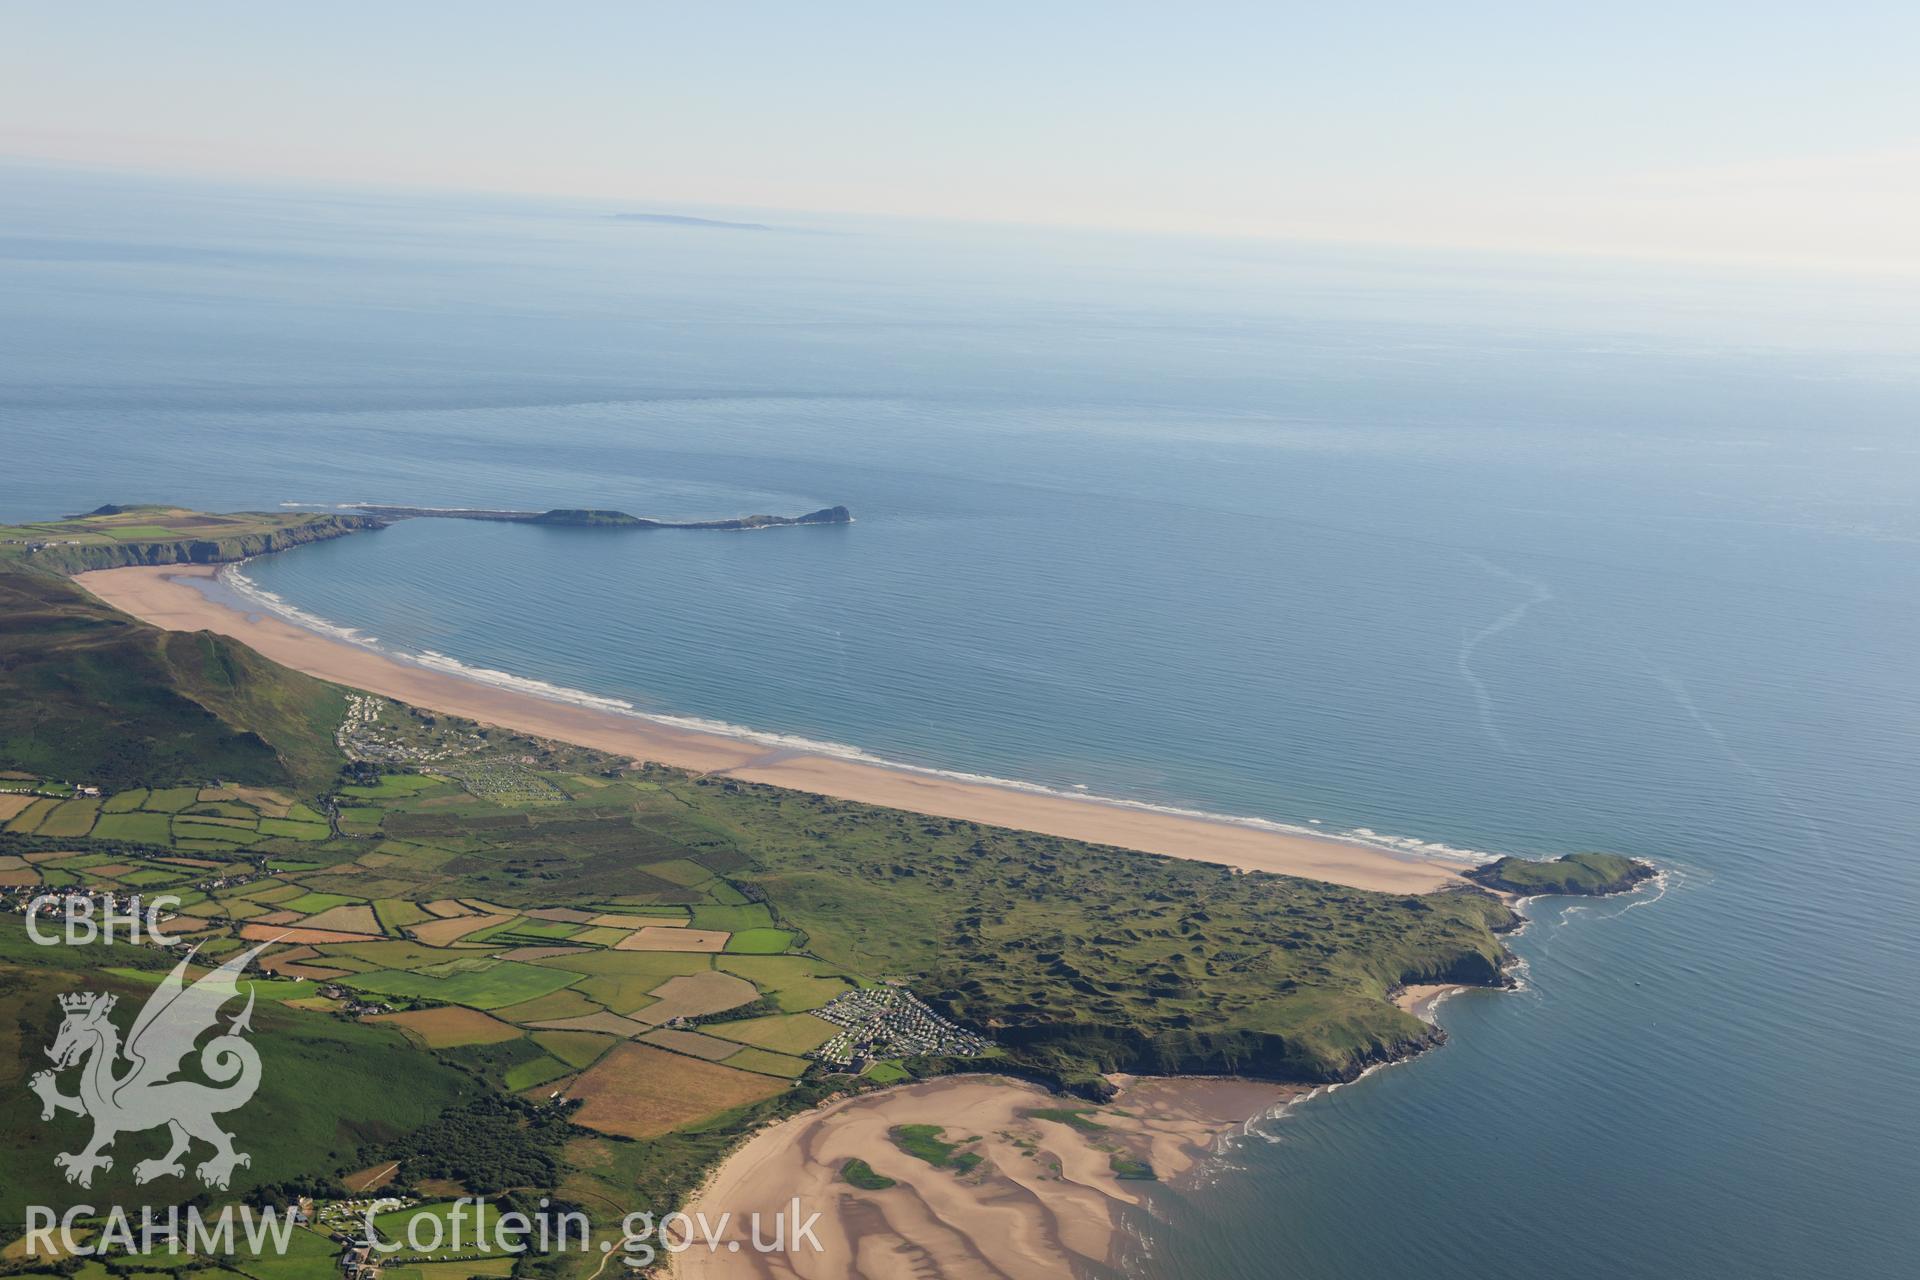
(146, 1094)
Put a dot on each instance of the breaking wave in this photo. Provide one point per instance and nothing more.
(245, 588)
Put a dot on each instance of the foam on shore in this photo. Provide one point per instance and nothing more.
(235, 580)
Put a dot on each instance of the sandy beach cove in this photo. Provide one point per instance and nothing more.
(1043, 1197)
(166, 596)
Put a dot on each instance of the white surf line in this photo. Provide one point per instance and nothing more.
(782, 745)
(1483, 698)
(1664, 879)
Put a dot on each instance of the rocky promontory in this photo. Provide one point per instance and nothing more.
(594, 518)
(1591, 874)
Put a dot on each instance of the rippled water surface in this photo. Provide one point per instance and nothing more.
(1509, 556)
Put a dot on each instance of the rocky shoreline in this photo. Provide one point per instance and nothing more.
(592, 518)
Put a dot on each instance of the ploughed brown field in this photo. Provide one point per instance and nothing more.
(640, 1092)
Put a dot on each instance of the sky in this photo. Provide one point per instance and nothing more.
(1713, 130)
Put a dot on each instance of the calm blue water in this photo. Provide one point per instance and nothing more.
(1511, 555)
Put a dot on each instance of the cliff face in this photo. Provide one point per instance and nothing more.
(81, 559)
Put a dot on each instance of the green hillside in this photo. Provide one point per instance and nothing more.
(91, 695)
(325, 1083)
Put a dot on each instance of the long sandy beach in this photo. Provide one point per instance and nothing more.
(166, 597)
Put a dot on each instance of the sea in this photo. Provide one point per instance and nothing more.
(1504, 554)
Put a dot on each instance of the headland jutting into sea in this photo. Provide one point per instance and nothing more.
(1173, 1124)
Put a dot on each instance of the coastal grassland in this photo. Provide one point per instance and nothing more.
(1084, 960)
(113, 536)
(1573, 873)
(87, 692)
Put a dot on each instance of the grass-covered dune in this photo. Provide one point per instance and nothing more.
(1080, 959)
(1575, 873)
(88, 693)
(114, 536)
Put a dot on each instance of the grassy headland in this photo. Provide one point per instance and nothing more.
(1575, 873)
(113, 536)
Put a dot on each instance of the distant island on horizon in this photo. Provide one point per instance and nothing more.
(685, 220)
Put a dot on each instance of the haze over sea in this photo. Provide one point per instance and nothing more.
(1511, 555)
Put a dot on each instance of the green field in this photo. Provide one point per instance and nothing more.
(293, 830)
(759, 942)
(766, 1063)
(309, 1256)
(393, 786)
(500, 983)
(214, 833)
(28, 819)
(147, 877)
(797, 983)
(312, 903)
(476, 1223)
(71, 818)
(396, 913)
(142, 828)
(575, 1048)
(733, 919)
(171, 799)
(785, 1032)
(526, 1075)
(543, 930)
